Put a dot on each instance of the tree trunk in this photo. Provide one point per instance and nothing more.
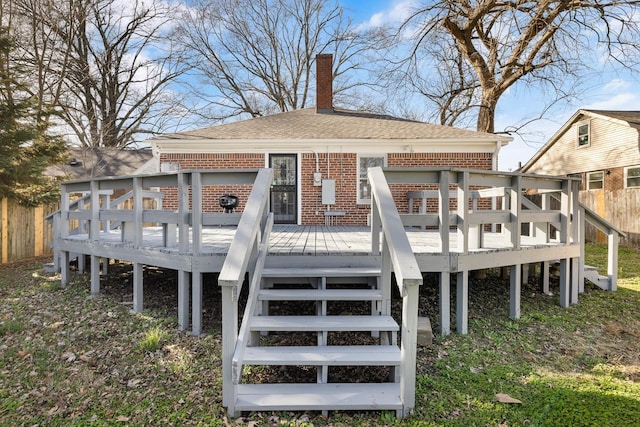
(486, 115)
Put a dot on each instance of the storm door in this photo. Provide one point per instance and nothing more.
(285, 188)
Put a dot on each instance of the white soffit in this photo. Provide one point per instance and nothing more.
(332, 146)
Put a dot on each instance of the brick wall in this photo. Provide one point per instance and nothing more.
(212, 194)
(342, 167)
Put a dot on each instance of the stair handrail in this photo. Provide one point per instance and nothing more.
(236, 265)
(398, 256)
(256, 279)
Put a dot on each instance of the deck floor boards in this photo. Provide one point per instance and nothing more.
(309, 240)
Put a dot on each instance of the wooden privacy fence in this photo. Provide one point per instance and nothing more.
(620, 208)
(25, 233)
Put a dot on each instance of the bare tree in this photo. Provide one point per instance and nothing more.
(258, 55)
(104, 64)
(484, 47)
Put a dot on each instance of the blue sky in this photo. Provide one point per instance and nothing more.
(610, 89)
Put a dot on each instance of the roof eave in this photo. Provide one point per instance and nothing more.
(253, 145)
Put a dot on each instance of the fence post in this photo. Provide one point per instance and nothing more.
(5, 231)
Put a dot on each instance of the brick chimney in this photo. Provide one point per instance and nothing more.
(324, 83)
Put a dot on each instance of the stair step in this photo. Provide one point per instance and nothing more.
(323, 323)
(320, 295)
(590, 268)
(357, 355)
(318, 397)
(321, 272)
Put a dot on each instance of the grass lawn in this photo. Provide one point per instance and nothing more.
(68, 360)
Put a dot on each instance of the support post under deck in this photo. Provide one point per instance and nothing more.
(183, 300)
(138, 288)
(196, 303)
(95, 275)
(64, 268)
(445, 303)
(565, 281)
(462, 302)
(514, 291)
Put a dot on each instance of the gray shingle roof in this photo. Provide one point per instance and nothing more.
(306, 124)
(627, 116)
(94, 162)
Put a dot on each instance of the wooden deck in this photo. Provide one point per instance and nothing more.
(311, 241)
(185, 237)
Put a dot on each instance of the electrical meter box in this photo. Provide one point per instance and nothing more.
(328, 191)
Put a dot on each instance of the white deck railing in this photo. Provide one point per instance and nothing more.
(180, 220)
(470, 218)
(397, 256)
(245, 257)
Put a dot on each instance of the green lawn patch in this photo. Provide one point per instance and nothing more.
(66, 360)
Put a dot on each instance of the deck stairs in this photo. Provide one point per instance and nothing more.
(593, 276)
(327, 306)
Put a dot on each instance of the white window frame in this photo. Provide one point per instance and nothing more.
(626, 177)
(578, 126)
(589, 181)
(359, 180)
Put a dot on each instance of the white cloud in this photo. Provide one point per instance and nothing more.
(399, 11)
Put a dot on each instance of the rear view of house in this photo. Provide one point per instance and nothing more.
(320, 155)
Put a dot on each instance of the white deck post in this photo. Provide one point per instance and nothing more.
(462, 302)
(575, 286)
(516, 206)
(409, 348)
(64, 268)
(196, 213)
(581, 237)
(229, 338)
(445, 277)
(196, 242)
(63, 232)
(385, 282)
(183, 300)
(137, 212)
(514, 291)
(183, 212)
(575, 218)
(565, 263)
(94, 225)
(445, 303)
(375, 227)
(565, 281)
(463, 214)
(138, 289)
(544, 272)
(612, 259)
(443, 211)
(95, 274)
(196, 303)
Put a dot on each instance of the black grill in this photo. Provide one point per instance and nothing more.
(228, 203)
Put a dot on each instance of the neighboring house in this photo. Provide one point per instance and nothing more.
(320, 155)
(603, 147)
(93, 162)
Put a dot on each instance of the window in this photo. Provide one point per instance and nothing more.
(364, 163)
(595, 180)
(632, 177)
(583, 135)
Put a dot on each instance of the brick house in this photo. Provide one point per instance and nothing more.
(603, 148)
(320, 155)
